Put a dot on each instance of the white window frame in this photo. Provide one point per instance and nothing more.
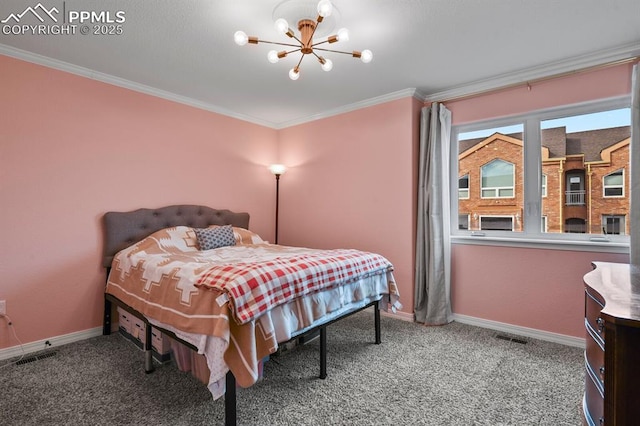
(544, 186)
(532, 235)
(497, 189)
(605, 187)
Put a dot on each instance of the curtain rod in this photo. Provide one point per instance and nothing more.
(529, 83)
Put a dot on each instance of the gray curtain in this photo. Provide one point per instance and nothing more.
(634, 162)
(433, 246)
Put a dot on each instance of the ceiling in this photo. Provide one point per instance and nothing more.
(433, 49)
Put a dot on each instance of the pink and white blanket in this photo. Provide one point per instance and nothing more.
(231, 298)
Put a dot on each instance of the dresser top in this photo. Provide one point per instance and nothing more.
(613, 282)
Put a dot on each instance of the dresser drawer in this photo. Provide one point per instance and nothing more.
(612, 300)
(593, 320)
(594, 402)
(594, 359)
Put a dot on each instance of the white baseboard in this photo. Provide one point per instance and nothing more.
(548, 336)
(403, 316)
(31, 347)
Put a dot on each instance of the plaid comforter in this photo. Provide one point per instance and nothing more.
(256, 287)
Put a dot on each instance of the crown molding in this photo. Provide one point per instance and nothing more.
(400, 94)
(121, 82)
(480, 86)
(566, 66)
(127, 84)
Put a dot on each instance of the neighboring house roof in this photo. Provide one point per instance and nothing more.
(591, 143)
(489, 140)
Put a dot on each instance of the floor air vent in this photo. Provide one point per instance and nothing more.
(511, 339)
(35, 358)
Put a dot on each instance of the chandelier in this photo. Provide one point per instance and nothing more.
(305, 43)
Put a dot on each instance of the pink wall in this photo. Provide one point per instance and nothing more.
(583, 87)
(533, 288)
(351, 183)
(71, 149)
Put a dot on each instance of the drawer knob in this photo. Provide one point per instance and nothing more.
(600, 323)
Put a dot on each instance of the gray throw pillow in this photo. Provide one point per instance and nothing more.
(210, 238)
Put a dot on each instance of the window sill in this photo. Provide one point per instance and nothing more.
(590, 246)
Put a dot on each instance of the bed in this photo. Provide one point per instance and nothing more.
(202, 277)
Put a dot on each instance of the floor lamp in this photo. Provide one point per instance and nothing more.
(277, 169)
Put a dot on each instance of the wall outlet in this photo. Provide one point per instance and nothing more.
(3, 307)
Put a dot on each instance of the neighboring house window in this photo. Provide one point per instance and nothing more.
(613, 224)
(497, 179)
(463, 221)
(463, 187)
(575, 226)
(613, 184)
(555, 166)
(496, 223)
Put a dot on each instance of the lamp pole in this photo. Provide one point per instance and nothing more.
(277, 202)
(277, 169)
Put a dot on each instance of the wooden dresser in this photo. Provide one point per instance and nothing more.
(612, 355)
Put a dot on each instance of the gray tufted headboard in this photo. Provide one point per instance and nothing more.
(125, 228)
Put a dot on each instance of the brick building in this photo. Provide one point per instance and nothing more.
(584, 184)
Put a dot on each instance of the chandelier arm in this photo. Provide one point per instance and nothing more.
(318, 20)
(297, 39)
(334, 51)
(320, 42)
(278, 43)
(300, 61)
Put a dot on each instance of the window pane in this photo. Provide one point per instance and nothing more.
(463, 187)
(583, 159)
(614, 184)
(494, 223)
(613, 192)
(575, 226)
(497, 173)
(614, 178)
(463, 221)
(613, 224)
(490, 159)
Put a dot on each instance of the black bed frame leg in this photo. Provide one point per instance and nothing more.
(376, 308)
(106, 319)
(230, 400)
(148, 350)
(323, 352)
